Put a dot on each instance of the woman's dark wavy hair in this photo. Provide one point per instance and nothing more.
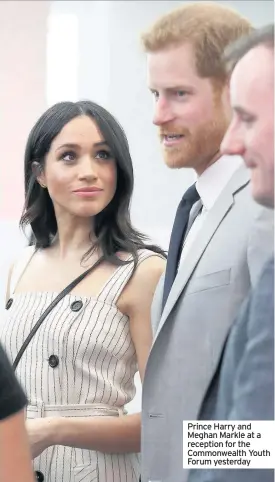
(113, 228)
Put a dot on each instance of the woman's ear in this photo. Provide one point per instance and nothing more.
(39, 174)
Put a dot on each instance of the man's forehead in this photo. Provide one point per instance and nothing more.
(254, 69)
(253, 76)
(172, 65)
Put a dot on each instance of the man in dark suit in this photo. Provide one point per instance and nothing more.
(243, 385)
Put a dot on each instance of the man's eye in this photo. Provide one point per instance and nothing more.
(248, 120)
(155, 94)
(181, 93)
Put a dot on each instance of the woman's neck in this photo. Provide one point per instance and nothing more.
(74, 238)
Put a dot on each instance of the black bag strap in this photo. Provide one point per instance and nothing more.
(49, 309)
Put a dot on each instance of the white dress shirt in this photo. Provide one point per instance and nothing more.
(209, 186)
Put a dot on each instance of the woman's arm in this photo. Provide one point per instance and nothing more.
(109, 434)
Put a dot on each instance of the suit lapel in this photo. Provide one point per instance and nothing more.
(211, 224)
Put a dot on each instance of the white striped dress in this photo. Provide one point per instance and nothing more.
(80, 363)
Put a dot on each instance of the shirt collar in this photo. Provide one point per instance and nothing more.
(213, 180)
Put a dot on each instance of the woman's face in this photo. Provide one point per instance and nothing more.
(80, 172)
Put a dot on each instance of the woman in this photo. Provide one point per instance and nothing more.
(15, 460)
(78, 370)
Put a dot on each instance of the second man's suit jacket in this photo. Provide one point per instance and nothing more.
(243, 385)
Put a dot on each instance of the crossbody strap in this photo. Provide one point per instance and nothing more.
(49, 309)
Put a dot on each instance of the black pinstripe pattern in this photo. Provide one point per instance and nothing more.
(97, 364)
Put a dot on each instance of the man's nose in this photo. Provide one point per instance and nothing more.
(232, 143)
(162, 112)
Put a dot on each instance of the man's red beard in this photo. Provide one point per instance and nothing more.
(195, 148)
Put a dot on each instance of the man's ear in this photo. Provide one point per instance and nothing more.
(39, 174)
(226, 91)
(226, 100)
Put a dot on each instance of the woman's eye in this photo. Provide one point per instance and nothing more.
(68, 156)
(103, 155)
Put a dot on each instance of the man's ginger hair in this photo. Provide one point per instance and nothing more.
(207, 26)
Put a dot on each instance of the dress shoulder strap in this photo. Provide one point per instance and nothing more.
(19, 267)
(122, 275)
